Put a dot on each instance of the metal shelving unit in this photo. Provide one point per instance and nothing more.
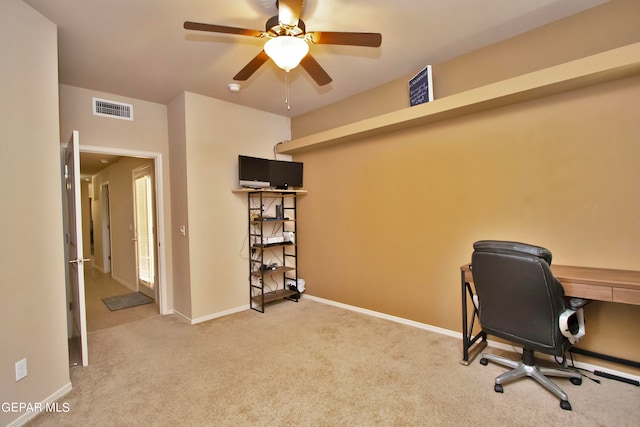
(273, 249)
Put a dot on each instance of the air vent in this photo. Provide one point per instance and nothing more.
(117, 110)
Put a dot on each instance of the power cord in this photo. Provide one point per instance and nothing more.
(564, 364)
(275, 148)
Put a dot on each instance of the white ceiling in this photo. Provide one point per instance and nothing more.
(92, 163)
(139, 49)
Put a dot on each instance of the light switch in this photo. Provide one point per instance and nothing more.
(21, 369)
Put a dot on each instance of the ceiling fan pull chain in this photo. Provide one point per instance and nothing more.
(286, 89)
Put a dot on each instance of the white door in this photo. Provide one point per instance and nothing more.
(75, 259)
(144, 234)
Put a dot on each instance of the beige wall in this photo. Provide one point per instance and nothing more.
(213, 133)
(32, 277)
(205, 277)
(179, 205)
(147, 133)
(389, 227)
(596, 30)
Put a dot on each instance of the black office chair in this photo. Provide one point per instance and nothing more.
(521, 301)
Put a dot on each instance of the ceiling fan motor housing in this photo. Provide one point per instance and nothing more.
(275, 29)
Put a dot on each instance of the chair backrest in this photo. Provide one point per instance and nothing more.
(519, 298)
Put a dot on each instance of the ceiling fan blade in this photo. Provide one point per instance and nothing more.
(289, 12)
(252, 66)
(188, 25)
(316, 72)
(349, 39)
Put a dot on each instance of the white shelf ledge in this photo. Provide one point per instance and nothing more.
(267, 190)
(591, 70)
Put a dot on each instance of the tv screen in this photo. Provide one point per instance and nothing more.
(256, 172)
(253, 172)
(283, 175)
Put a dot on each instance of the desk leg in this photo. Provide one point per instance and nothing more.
(468, 340)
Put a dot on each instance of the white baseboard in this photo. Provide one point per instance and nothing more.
(124, 282)
(388, 317)
(182, 316)
(220, 314)
(97, 267)
(28, 416)
(210, 316)
(454, 334)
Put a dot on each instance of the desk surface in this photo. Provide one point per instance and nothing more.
(600, 284)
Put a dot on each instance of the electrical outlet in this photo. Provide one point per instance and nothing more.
(21, 369)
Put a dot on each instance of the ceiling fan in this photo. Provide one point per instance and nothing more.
(288, 41)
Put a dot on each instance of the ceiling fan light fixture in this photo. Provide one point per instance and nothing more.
(286, 51)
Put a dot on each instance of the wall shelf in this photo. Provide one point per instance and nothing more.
(595, 69)
(286, 193)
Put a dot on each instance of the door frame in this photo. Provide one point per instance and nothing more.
(159, 214)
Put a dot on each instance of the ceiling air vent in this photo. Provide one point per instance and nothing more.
(117, 110)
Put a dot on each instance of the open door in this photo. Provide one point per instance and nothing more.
(73, 238)
(144, 234)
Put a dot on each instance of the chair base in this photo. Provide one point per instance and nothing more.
(526, 367)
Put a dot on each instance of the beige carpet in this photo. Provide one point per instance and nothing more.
(310, 364)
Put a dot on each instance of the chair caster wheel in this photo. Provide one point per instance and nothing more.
(498, 389)
(484, 362)
(576, 381)
(564, 404)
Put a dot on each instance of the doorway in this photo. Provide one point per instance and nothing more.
(105, 193)
(111, 214)
(125, 218)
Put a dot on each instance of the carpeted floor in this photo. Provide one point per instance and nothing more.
(100, 285)
(310, 364)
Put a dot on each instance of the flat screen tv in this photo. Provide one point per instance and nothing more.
(284, 175)
(253, 172)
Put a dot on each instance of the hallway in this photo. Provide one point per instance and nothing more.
(99, 285)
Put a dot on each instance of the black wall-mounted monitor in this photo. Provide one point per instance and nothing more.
(283, 175)
(255, 172)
